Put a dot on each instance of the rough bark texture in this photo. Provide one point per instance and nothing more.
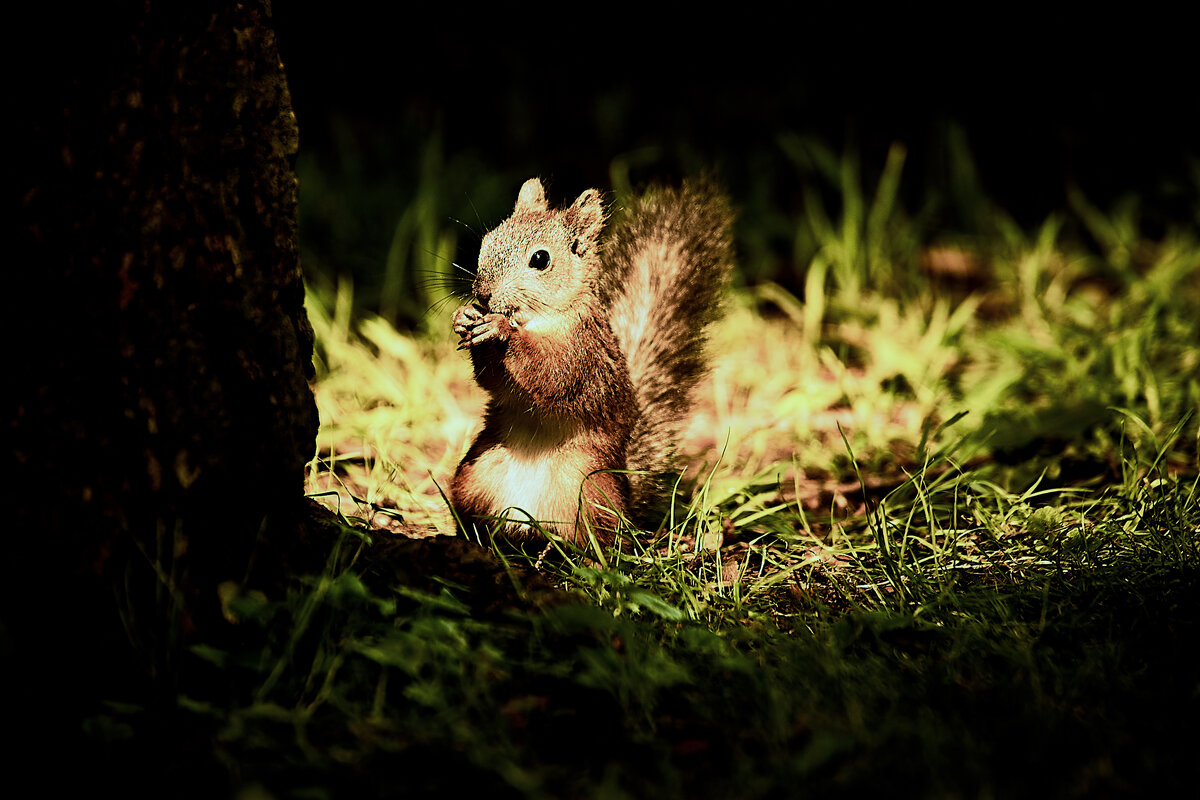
(162, 416)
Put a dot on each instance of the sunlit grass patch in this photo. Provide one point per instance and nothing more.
(810, 427)
(396, 411)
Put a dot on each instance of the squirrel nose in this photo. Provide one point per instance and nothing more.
(483, 287)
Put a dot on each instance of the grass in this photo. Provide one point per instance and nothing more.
(940, 539)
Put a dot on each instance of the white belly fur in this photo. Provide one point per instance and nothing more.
(539, 479)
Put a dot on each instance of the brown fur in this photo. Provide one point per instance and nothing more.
(667, 268)
(588, 357)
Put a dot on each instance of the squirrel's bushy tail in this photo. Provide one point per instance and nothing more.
(669, 258)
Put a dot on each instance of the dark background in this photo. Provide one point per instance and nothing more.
(1045, 101)
(438, 112)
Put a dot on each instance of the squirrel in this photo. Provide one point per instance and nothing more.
(588, 347)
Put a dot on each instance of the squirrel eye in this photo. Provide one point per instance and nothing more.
(540, 259)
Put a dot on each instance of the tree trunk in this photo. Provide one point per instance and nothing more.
(162, 413)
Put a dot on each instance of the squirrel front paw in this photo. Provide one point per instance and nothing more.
(493, 327)
(465, 318)
(475, 327)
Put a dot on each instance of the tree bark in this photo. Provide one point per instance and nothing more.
(162, 415)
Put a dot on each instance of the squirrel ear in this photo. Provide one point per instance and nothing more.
(531, 198)
(585, 218)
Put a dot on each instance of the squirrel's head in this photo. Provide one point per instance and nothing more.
(541, 263)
